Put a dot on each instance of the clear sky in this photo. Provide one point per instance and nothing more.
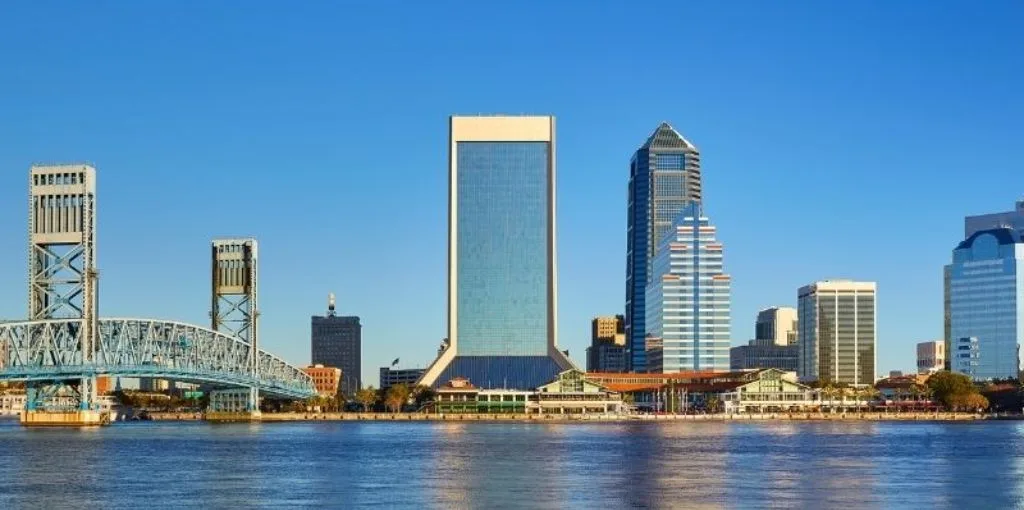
(838, 139)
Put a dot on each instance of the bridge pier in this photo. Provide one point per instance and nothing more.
(58, 404)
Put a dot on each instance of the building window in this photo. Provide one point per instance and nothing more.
(669, 161)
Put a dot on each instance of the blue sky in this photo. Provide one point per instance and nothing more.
(837, 140)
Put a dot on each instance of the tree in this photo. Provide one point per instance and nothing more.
(975, 402)
(367, 397)
(421, 395)
(947, 386)
(396, 397)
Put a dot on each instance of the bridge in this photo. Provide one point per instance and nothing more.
(49, 351)
(64, 344)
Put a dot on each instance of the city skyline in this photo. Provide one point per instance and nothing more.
(177, 128)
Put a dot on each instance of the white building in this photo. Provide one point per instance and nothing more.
(931, 357)
(688, 298)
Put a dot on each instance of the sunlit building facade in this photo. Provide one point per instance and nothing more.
(664, 176)
(688, 300)
(986, 307)
(837, 332)
(501, 258)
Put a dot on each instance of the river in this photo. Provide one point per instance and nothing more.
(511, 465)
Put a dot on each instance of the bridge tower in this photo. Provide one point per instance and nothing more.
(234, 312)
(63, 280)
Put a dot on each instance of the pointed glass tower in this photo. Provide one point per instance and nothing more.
(664, 175)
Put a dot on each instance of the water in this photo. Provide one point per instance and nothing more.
(492, 465)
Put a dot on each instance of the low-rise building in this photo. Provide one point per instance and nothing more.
(569, 393)
(326, 379)
(764, 354)
(12, 403)
(904, 392)
(407, 376)
(763, 390)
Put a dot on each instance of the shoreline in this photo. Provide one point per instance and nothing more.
(595, 418)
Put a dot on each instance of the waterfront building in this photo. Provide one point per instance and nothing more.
(763, 390)
(688, 299)
(1009, 219)
(664, 176)
(337, 342)
(776, 325)
(947, 322)
(326, 379)
(931, 357)
(837, 332)
(569, 393)
(12, 402)
(607, 351)
(904, 392)
(764, 354)
(407, 376)
(502, 313)
(987, 304)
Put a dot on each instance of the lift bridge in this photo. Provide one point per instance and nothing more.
(64, 345)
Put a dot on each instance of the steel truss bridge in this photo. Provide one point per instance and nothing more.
(51, 351)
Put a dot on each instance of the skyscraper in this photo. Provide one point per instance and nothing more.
(501, 254)
(986, 291)
(688, 299)
(664, 174)
(837, 332)
(337, 342)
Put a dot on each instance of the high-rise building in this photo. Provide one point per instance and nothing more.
(1009, 219)
(607, 351)
(837, 332)
(931, 357)
(776, 325)
(986, 291)
(688, 299)
(502, 317)
(664, 175)
(337, 342)
(947, 272)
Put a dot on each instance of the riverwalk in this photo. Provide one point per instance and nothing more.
(590, 418)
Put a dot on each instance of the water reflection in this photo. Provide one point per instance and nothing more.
(491, 465)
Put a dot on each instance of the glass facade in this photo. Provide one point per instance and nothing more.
(837, 332)
(985, 306)
(664, 176)
(503, 248)
(688, 300)
(337, 342)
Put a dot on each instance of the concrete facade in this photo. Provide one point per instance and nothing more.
(837, 332)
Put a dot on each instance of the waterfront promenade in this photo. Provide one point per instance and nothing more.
(590, 418)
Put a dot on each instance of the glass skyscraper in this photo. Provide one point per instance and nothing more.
(688, 299)
(986, 309)
(664, 175)
(501, 258)
(836, 336)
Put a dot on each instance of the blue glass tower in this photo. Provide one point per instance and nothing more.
(986, 294)
(664, 175)
(501, 258)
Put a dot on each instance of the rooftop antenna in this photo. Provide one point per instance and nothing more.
(330, 304)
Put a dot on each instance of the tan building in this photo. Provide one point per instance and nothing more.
(837, 332)
(931, 357)
(326, 379)
(776, 326)
(608, 329)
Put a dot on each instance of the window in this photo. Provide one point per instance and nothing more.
(669, 161)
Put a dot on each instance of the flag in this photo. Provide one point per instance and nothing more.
(393, 363)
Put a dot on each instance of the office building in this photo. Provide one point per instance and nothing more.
(502, 310)
(776, 325)
(607, 351)
(664, 175)
(326, 379)
(407, 376)
(931, 357)
(688, 299)
(986, 308)
(764, 354)
(1010, 219)
(837, 332)
(947, 271)
(337, 342)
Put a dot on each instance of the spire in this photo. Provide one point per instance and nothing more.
(330, 304)
(666, 137)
